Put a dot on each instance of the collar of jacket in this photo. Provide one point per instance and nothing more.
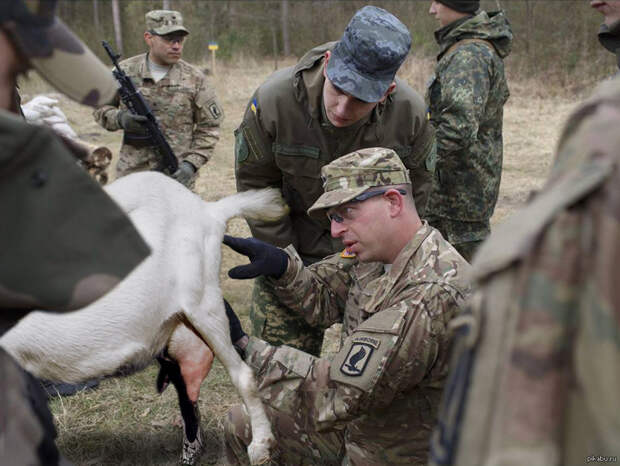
(308, 84)
(442, 33)
(609, 37)
(173, 76)
(400, 266)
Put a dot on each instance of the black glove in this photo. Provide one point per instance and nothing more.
(265, 259)
(234, 326)
(131, 122)
(184, 173)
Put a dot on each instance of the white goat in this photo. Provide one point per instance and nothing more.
(170, 303)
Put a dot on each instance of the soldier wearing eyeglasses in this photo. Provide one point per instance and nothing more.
(184, 104)
(395, 288)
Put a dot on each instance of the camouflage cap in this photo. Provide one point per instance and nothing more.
(162, 22)
(55, 52)
(352, 174)
(365, 60)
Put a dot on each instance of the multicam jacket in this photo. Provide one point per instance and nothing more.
(186, 109)
(285, 139)
(466, 98)
(385, 383)
(536, 370)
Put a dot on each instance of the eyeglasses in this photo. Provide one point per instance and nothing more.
(339, 215)
(172, 39)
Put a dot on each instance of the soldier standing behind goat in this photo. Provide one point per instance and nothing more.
(180, 98)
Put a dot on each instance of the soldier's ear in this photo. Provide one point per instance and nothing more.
(390, 89)
(328, 54)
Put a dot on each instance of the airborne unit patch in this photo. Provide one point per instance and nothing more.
(356, 361)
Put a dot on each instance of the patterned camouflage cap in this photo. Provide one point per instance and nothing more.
(55, 52)
(162, 22)
(352, 174)
(364, 62)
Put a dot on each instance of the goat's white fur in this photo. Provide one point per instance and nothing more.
(126, 328)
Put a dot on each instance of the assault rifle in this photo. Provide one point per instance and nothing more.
(136, 104)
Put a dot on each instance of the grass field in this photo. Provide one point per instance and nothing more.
(124, 421)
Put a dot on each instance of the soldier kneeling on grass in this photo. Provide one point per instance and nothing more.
(395, 287)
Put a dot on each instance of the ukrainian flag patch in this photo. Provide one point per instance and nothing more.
(254, 105)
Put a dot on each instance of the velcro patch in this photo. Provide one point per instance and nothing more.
(347, 255)
(357, 359)
(215, 110)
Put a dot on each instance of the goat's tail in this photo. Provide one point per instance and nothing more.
(265, 204)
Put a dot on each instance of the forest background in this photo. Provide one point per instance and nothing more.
(555, 40)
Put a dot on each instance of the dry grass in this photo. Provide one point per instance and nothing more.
(124, 421)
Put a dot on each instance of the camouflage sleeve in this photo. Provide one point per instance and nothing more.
(255, 168)
(465, 85)
(318, 292)
(105, 115)
(208, 116)
(386, 356)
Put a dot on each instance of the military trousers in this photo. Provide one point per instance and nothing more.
(276, 324)
(27, 431)
(294, 445)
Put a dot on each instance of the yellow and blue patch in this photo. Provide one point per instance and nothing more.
(347, 255)
(254, 106)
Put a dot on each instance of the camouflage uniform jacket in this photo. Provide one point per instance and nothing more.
(466, 98)
(185, 107)
(536, 372)
(609, 37)
(384, 385)
(285, 139)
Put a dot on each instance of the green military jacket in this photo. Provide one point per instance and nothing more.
(66, 243)
(466, 98)
(186, 109)
(284, 140)
(384, 385)
(536, 370)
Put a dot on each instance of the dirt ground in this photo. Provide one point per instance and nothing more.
(125, 421)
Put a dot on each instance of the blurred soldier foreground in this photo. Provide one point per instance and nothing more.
(65, 242)
(609, 33)
(180, 98)
(340, 97)
(536, 372)
(374, 402)
(466, 98)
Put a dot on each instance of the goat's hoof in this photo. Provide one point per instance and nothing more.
(259, 451)
(192, 450)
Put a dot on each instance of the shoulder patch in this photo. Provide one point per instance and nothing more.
(357, 359)
(254, 106)
(347, 255)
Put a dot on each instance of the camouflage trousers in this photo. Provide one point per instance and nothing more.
(279, 325)
(27, 429)
(294, 445)
(466, 237)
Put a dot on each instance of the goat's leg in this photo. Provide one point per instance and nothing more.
(187, 364)
(212, 324)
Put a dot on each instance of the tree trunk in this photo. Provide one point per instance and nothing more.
(286, 42)
(165, 5)
(274, 39)
(96, 20)
(118, 28)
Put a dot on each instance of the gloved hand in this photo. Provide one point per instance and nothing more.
(236, 332)
(131, 122)
(184, 173)
(265, 259)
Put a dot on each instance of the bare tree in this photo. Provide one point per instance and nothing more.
(118, 28)
(286, 42)
(96, 20)
(165, 5)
